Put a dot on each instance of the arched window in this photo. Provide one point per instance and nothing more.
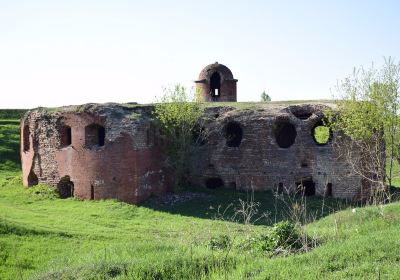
(285, 134)
(94, 135)
(215, 84)
(65, 187)
(65, 136)
(233, 134)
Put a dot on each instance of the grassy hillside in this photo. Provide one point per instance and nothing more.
(44, 237)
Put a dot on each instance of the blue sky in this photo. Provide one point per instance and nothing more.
(56, 53)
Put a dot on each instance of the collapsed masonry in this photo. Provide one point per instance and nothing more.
(114, 151)
(99, 151)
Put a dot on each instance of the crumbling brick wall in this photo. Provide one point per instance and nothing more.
(114, 151)
(128, 166)
(258, 163)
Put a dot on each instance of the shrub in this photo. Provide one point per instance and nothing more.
(220, 242)
(283, 238)
(178, 116)
(285, 235)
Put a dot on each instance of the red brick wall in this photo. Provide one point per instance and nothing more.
(227, 91)
(123, 169)
(129, 166)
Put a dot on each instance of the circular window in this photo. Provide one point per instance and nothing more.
(321, 133)
(285, 134)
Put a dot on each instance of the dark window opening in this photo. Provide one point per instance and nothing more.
(321, 133)
(304, 164)
(285, 134)
(65, 187)
(302, 113)
(214, 183)
(280, 188)
(66, 136)
(232, 185)
(233, 134)
(25, 136)
(215, 84)
(95, 135)
(32, 179)
(305, 187)
(328, 190)
(91, 192)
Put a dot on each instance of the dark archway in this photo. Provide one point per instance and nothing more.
(214, 183)
(215, 84)
(91, 192)
(280, 188)
(65, 187)
(32, 179)
(285, 134)
(25, 138)
(233, 134)
(95, 135)
(305, 187)
(328, 190)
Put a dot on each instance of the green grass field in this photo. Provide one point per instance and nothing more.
(44, 237)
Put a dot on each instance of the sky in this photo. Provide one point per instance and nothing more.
(55, 53)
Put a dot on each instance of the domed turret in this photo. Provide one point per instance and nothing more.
(216, 83)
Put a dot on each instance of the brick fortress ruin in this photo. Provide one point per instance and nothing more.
(99, 151)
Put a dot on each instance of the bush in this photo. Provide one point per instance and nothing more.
(178, 117)
(285, 235)
(220, 242)
(283, 238)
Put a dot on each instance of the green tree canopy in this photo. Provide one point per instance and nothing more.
(368, 113)
(178, 116)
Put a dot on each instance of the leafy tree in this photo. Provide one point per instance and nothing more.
(178, 117)
(265, 97)
(368, 113)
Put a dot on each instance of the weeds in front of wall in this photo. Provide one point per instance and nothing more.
(283, 238)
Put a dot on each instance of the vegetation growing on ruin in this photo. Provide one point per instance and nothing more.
(178, 118)
(44, 237)
(368, 107)
(322, 134)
